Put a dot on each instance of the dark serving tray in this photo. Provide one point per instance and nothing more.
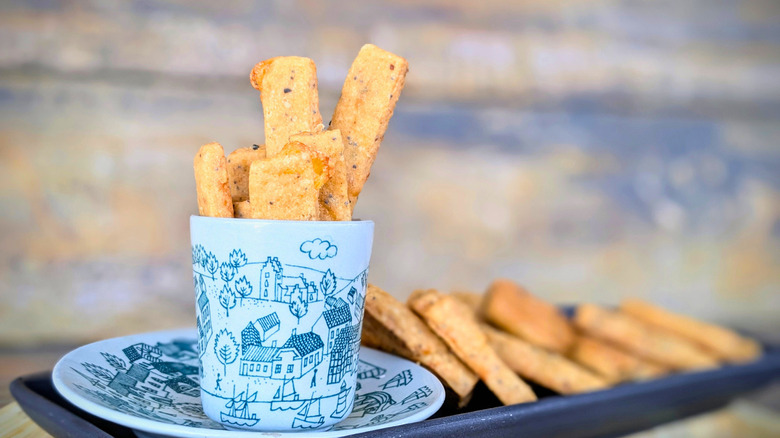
(621, 410)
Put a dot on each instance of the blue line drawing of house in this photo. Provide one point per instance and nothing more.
(343, 359)
(250, 336)
(180, 349)
(122, 382)
(274, 288)
(260, 330)
(177, 376)
(299, 355)
(312, 292)
(336, 318)
(296, 357)
(153, 376)
(258, 361)
(306, 290)
(269, 325)
(203, 321)
(334, 302)
(360, 300)
(142, 352)
(270, 280)
(136, 377)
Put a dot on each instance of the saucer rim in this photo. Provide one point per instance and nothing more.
(180, 431)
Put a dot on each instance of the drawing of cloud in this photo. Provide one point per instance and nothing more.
(319, 249)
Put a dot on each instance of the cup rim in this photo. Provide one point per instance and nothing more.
(228, 220)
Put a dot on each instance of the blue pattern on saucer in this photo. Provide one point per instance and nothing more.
(155, 377)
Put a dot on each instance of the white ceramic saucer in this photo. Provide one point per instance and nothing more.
(149, 382)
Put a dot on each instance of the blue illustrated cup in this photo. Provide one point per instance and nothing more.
(279, 309)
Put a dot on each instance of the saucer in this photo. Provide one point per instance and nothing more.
(149, 382)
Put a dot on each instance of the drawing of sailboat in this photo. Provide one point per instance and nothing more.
(401, 379)
(309, 417)
(239, 414)
(421, 392)
(341, 405)
(370, 371)
(286, 397)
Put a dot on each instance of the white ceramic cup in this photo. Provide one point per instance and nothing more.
(279, 311)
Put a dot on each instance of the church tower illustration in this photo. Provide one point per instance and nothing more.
(271, 280)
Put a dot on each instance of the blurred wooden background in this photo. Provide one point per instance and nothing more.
(591, 150)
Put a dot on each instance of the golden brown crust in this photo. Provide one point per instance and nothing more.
(390, 326)
(719, 341)
(641, 339)
(288, 91)
(319, 161)
(471, 299)
(543, 367)
(334, 199)
(512, 308)
(456, 325)
(283, 187)
(211, 182)
(612, 363)
(242, 210)
(238, 163)
(364, 109)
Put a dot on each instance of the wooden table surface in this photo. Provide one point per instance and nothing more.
(15, 423)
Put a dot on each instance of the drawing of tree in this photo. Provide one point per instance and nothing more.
(211, 264)
(98, 371)
(195, 255)
(226, 348)
(201, 255)
(328, 283)
(227, 298)
(299, 308)
(227, 272)
(114, 361)
(243, 287)
(237, 258)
